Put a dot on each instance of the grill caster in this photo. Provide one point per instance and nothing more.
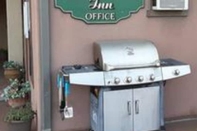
(163, 128)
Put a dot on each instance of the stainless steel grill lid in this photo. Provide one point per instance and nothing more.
(111, 55)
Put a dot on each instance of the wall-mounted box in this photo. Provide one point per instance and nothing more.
(170, 5)
(168, 8)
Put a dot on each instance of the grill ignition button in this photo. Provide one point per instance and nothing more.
(177, 72)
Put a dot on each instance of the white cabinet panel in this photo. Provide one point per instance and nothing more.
(118, 110)
(146, 108)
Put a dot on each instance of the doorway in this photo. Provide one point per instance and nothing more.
(3, 41)
(3, 34)
(11, 43)
(11, 34)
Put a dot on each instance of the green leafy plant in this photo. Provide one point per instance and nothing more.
(11, 65)
(16, 89)
(20, 114)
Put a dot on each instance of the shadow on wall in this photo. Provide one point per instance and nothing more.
(3, 55)
(3, 30)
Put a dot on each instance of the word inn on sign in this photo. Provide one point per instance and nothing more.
(99, 11)
(97, 5)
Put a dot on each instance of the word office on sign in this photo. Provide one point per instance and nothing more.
(97, 5)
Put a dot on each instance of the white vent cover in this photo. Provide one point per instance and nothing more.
(171, 5)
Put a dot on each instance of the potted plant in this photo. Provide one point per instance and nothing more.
(20, 119)
(16, 93)
(12, 69)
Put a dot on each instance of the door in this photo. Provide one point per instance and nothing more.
(146, 108)
(118, 111)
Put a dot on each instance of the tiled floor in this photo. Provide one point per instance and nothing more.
(4, 107)
(182, 126)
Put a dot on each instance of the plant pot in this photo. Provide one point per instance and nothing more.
(10, 73)
(17, 102)
(19, 126)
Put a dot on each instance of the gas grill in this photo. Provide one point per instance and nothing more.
(126, 83)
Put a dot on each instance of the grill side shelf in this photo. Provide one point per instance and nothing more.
(171, 62)
(79, 69)
(83, 75)
(172, 68)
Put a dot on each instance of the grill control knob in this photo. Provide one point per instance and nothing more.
(140, 78)
(158, 63)
(152, 77)
(116, 80)
(177, 72)
(128, 79)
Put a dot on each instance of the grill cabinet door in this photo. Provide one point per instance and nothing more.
(118, 110)
(146, 108)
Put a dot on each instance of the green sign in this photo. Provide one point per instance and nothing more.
(100, 11)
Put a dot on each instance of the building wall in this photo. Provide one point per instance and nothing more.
(14, 29)
(72, 43)
(3, 28)
(35, 78)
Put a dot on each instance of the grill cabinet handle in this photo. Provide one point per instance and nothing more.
(129, 107)
(137, 110)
